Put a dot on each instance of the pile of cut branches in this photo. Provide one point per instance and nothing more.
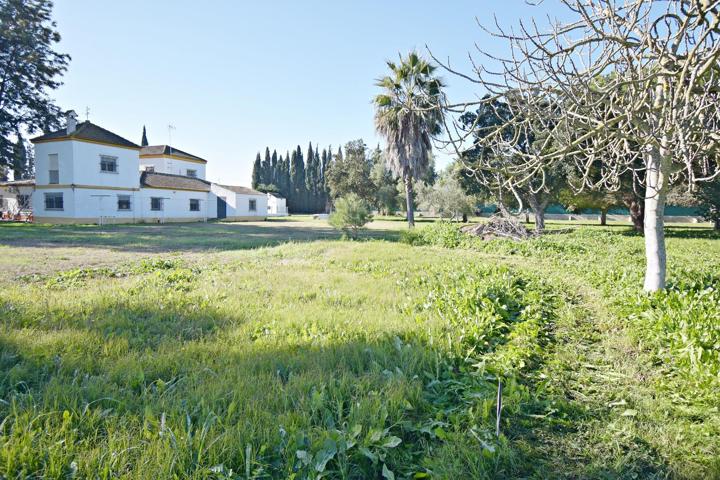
(501, 227)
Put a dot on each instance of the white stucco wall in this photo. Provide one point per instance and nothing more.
(238, 204)
(176, 205)
(173, 166)
(276, 205)
(38, 204)
(79, 164)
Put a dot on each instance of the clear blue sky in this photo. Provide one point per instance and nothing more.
(236, 76)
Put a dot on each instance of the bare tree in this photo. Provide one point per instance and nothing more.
(632, 85)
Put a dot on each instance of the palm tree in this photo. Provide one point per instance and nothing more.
(407, 116)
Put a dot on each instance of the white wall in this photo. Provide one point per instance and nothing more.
(276, 205)
(79, 164)
(172, 165)
(64, 151)
(38, 203)
(238, 204)
(176, 205)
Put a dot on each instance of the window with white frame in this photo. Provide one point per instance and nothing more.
(124, 203)
(53, 201)
(194, 205)
(108, 164)
(156, 203)
(53, 169)
(191, 173)
(252, 205)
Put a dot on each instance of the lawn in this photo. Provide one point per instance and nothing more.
(277, 350)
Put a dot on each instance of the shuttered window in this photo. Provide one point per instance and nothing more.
(53, 169)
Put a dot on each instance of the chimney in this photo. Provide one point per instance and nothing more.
(70, 122)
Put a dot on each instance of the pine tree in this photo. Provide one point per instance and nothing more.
(144, 141)
(30, 69)
(257, 172)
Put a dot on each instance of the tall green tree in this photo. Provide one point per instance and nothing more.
(29, 69)
(20, 167)
(298, 193)
(310, 178)
(274, 169)
(257, 172)
(266, 171)
(351, 173)
(406, 115)
(386, 192)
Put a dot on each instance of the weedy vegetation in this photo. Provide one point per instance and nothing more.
(379, 358)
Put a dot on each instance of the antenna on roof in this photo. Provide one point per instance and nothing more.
(87, 114)
(171, 127)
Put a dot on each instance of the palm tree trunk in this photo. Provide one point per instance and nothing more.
(409, 197)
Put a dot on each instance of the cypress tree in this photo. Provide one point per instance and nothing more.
(310, 177)
(257, 172)
(317, 183)
(144, 141)
(20, 159)
(274, 169)
(298, 180)
(267, 168)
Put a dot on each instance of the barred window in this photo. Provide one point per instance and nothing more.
(124, 202)
(53, 201)
(194, 205)
(108, 164)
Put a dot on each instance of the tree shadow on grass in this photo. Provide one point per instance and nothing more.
(176, 237)
(697, 232)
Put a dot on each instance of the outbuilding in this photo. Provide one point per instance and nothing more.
(236, 203)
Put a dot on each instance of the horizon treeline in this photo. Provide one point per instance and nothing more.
(300, 178)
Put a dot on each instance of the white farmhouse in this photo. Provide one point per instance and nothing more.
(87, 174)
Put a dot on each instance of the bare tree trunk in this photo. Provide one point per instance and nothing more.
(717, 224)
(538, 209)
(637, 212)
(409, 197)
(603, 216)
(658, 163)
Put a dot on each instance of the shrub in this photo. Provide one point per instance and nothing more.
(350, 215)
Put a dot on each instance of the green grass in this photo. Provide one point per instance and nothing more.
(225, 351)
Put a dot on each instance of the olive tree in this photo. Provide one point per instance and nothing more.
(631, 84)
